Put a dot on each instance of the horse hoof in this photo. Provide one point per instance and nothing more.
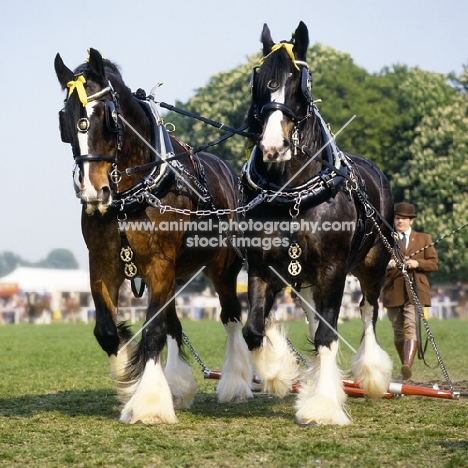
(307, 424)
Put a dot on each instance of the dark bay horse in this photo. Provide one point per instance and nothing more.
(327, 197)
(130, 172)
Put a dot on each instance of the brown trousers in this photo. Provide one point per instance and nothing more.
(403, 321)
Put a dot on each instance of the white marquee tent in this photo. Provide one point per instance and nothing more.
(57, 285)
(45, 280)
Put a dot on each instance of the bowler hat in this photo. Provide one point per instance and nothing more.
(406, 210)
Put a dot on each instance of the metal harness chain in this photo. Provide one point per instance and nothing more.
(197, 357)
(156, 202)
(299, 356)
(370, 210)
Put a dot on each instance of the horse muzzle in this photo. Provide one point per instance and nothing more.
(275, 155)
(99, 201)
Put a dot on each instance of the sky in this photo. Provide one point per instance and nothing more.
(181, 44)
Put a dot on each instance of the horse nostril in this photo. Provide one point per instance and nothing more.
(104, 194)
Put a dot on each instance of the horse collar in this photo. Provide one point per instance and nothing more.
(316, 190)
(160, 176)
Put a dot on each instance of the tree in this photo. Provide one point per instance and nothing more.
(435, 177)
(225, 99)
(8, 262)
(346, 90)
(60, 258)
(57, 258)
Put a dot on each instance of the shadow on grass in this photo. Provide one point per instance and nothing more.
(260, 406)
(103, 403)
(73, 403)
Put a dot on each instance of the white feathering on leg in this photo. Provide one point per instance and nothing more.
(236, 376)
(118, 367)
(321, 397)
(275, 363)
(152, 401)
(179, 377)
(371, 365)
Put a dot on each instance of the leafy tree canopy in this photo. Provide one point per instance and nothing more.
(57, 258)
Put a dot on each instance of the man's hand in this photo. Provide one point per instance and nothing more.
(412, 264)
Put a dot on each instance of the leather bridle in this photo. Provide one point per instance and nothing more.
(306, 87)
(113, 123)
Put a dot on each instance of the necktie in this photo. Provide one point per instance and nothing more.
(403, 240)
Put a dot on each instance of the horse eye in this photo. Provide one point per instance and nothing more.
(273, 85)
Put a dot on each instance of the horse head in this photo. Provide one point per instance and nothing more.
(281, 94)
(90, 122)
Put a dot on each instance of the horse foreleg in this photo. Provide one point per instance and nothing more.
(151, 402)
(371, 366)
(321, 396)
(274, 361)
(236, 377)
(112, 338)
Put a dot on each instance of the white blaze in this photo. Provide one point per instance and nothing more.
(88, 190)
(273, 134)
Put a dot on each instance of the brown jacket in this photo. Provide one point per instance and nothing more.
(395, 290)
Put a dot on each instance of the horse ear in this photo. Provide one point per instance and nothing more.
(301, 41)
(64, 74)
(96, 63)
(266, 40)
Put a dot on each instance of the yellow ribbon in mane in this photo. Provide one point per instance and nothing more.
(288, 47)
(78, 84)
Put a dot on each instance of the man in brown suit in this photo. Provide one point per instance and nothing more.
(397, 297)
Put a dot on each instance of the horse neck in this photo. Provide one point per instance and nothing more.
(137, 142)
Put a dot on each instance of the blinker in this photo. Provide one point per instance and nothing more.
(64, 132)
(306, 83)
(111, 116)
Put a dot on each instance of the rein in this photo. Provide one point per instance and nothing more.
(441, 238)
(197, 149)
(213, 123)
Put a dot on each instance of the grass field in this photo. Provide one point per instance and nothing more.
(58, 409)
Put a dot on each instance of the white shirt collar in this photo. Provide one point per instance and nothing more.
(407, 233)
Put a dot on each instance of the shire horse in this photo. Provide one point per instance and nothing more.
(296, 173)
(128, 168)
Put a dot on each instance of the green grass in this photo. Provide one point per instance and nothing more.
(58, 408)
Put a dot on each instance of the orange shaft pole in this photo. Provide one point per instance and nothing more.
(352, 388)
